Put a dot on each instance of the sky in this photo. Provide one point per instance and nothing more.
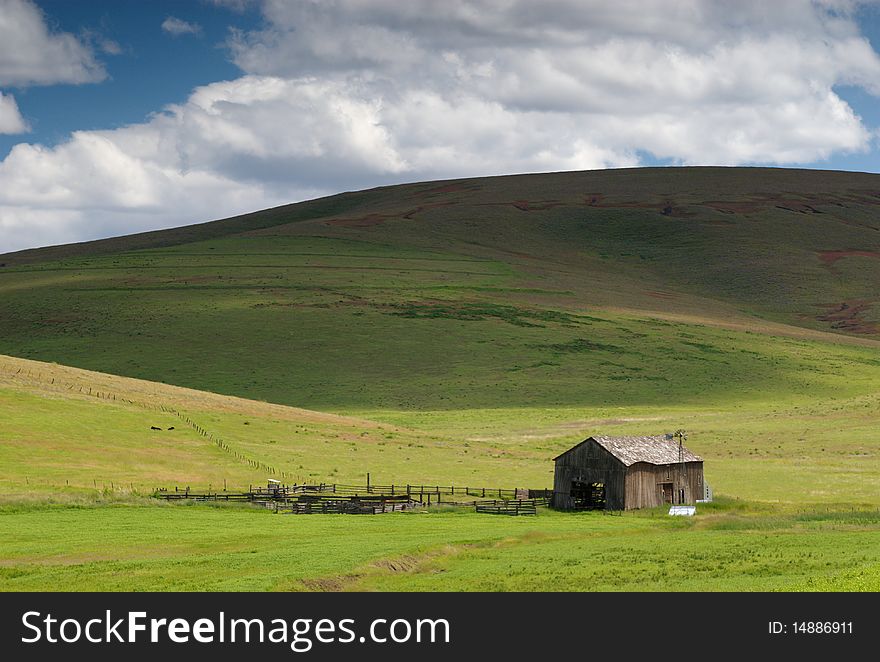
(118, 116)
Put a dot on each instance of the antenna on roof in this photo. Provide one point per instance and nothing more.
(682, 435)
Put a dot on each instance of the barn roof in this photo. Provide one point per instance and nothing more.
(656, 449)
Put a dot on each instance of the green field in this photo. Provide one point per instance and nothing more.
(455, 333)
(203, 548)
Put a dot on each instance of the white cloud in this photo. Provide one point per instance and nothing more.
(31, 54)
(696, 81)
(110, 47)
(177, 27)
(352, 94)
(11, 120)
(234, 5)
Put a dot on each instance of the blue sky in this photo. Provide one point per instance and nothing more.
(122, 115)
(151, 70)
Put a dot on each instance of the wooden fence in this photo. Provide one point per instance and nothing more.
(351, 506)
(371, 499)
(415, 492)
(423, 490)
(508, 507)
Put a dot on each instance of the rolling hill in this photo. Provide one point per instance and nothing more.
(486, 292)
(798, 490)
(458, 332)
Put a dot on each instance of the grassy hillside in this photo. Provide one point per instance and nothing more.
(458, 332)
(76, 432)
(477, 293)
(798, 480)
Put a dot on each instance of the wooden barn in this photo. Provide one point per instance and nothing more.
(622, 473)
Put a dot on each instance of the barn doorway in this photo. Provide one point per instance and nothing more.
(667, 492)
(587, 496)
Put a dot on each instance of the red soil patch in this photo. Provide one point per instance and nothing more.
(418, 210)
(799, 207)
(830, 257)
(598, 200)
(751, 206)
(735, 207)
(372, 220)
(667, 208)
(542, 205)
(847, 316)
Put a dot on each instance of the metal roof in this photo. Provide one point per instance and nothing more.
(656, 449)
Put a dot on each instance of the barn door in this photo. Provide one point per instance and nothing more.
(667, 492)
(587, 496)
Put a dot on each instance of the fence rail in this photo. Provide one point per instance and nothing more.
(424, 490)
(345, 506)
(372, 499)
(508, 507)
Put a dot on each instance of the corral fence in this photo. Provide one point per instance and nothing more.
(423, 492)
(371, 499)
(356, 505)
(508, 507)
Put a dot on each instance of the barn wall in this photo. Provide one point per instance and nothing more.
(626, 488)
(643, 484)
(644, 481)
(589, 463)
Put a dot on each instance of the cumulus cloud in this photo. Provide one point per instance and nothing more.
(351, 94)
(11, 120)
(31, 54)
(696, 82)
(177, 27)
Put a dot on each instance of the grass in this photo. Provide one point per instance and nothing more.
(457, 298)
(792, 449)
(233, 548)
(806, 522)
(453, 334)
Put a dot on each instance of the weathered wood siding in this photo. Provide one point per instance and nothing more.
(644, 483)
(626, 488)
(589, 463)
